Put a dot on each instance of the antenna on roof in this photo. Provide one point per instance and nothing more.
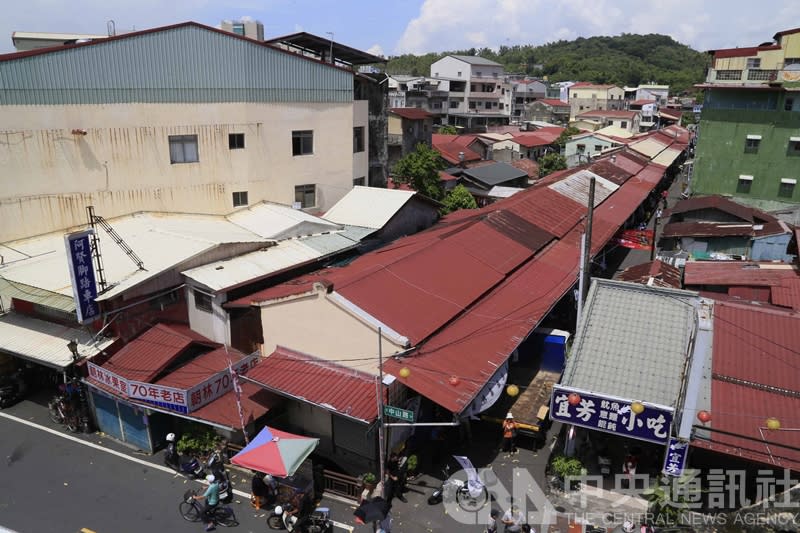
(111, 28)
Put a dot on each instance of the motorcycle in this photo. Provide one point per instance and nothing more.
(12, 389)
(192, 468)
(225, 489)
(319, 521)
(469, 496)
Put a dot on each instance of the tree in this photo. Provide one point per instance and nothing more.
(550, 163)
(458, 198)
(420, 169)
(568, 132)
(448, 130)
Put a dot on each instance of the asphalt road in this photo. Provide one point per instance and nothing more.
(53, 481)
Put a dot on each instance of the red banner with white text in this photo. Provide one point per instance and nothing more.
(635, 239)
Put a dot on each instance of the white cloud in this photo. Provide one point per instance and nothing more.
(444, 25)
(376, 50)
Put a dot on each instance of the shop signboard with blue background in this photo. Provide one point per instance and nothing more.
(675, 457)
(81, 272)
(611, 415)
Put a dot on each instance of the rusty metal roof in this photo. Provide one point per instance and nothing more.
(707, 229)
(201, 368)
(750, 273)
(722, 204)
(255, 401)
(342, 390)
(787, 295)
(754, 377)
(150, 353)
(655, 273)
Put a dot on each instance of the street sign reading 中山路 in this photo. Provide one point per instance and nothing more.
(396, 412)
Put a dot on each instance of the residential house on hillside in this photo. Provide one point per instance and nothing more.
(589, 97)
(480, 180)
(408, 127)
(523, 93)
(197, 142)
(715, 227)
(422, 92)
(547, 110)
(579, 149)
(658, 93)
(454, 149)
(535, 144)
(626, 120)
(648, 110)
(477, 91)
(748, 127)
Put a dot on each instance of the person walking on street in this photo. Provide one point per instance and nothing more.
(394, 487)
(491, 525)
(509, 434)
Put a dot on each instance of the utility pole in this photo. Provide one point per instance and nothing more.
(580, 281)
(587, 259)
(655, 232)
(381, 437)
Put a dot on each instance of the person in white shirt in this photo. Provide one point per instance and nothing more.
(513, 519)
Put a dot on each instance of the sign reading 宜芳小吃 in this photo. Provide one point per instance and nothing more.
(81, 272)
(612, 415)
(675, 457)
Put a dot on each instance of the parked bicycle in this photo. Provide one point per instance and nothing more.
(192, 511)
(61, 412)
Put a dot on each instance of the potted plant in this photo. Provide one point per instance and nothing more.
(565, 467)
(411, 466)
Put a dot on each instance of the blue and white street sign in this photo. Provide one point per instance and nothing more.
(675, 457)
(81, 271)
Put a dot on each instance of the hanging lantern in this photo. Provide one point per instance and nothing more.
(512, 390)
(703, 416)
(404, 372)
(453, 380)
(574, 398)
(773, 423)
(637, 407)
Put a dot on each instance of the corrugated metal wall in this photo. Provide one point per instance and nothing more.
(182, 64)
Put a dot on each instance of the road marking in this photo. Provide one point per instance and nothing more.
(87, 530)
(151, 465)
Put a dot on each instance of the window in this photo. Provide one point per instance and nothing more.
(794, 146)
(472, 105)
(581, 148)
(788, 104)
(623, 124)
(437, 105)
(502, 105)
(458, 74)
(239, 198)
(488, 105)
(751, 144)
(358, 139)
(302, 142)
(236, 141)
(202, 301)
(479, 74)
(786, 189)
(753, 62)
(744, 184)
(183, 149)
(598, 148)
(453, 104)
(238, 29)
(729, 75)
(305, 195)
(360, 181)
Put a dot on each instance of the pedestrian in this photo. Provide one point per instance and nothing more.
(664, 203)
(394, 487)
(509, 434)
(211, 496)
(491, 525)
(258, 491)
(658, 213)
(372, 488)
(513, 519)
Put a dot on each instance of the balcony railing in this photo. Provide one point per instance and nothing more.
(395, 139)
(737, 77)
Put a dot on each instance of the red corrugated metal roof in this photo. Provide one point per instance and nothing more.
(755, 375)
(751, 294)
(449, 147)
(554, 102)
(256, 402)
(148, 355)
(613, 113)
(708, 229)
(661, 274)
(742, 52)
(787, 295)
(201, 368)
(531, 168)
(746, 273)
(723, 204)
(643, 101)
(344, 390)
(411, 113)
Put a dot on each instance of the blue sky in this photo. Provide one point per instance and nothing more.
(418, 26)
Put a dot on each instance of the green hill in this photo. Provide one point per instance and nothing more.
(626, 59)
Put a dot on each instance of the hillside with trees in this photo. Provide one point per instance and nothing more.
(626, 59)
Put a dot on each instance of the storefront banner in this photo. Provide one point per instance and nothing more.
(168, 397)
(109, 379)
(612, 415)
(675, 457)
(81, 272)
(635, 239)
(218, 384)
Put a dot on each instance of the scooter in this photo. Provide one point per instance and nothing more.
(193, 469)
(225, 489)
(319, 521)
(468, 496)
(605, 465)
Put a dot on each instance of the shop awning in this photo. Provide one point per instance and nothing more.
(45, 342)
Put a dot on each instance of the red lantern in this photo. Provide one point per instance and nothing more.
(453, 380)
(574, 398)
(703, 416)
